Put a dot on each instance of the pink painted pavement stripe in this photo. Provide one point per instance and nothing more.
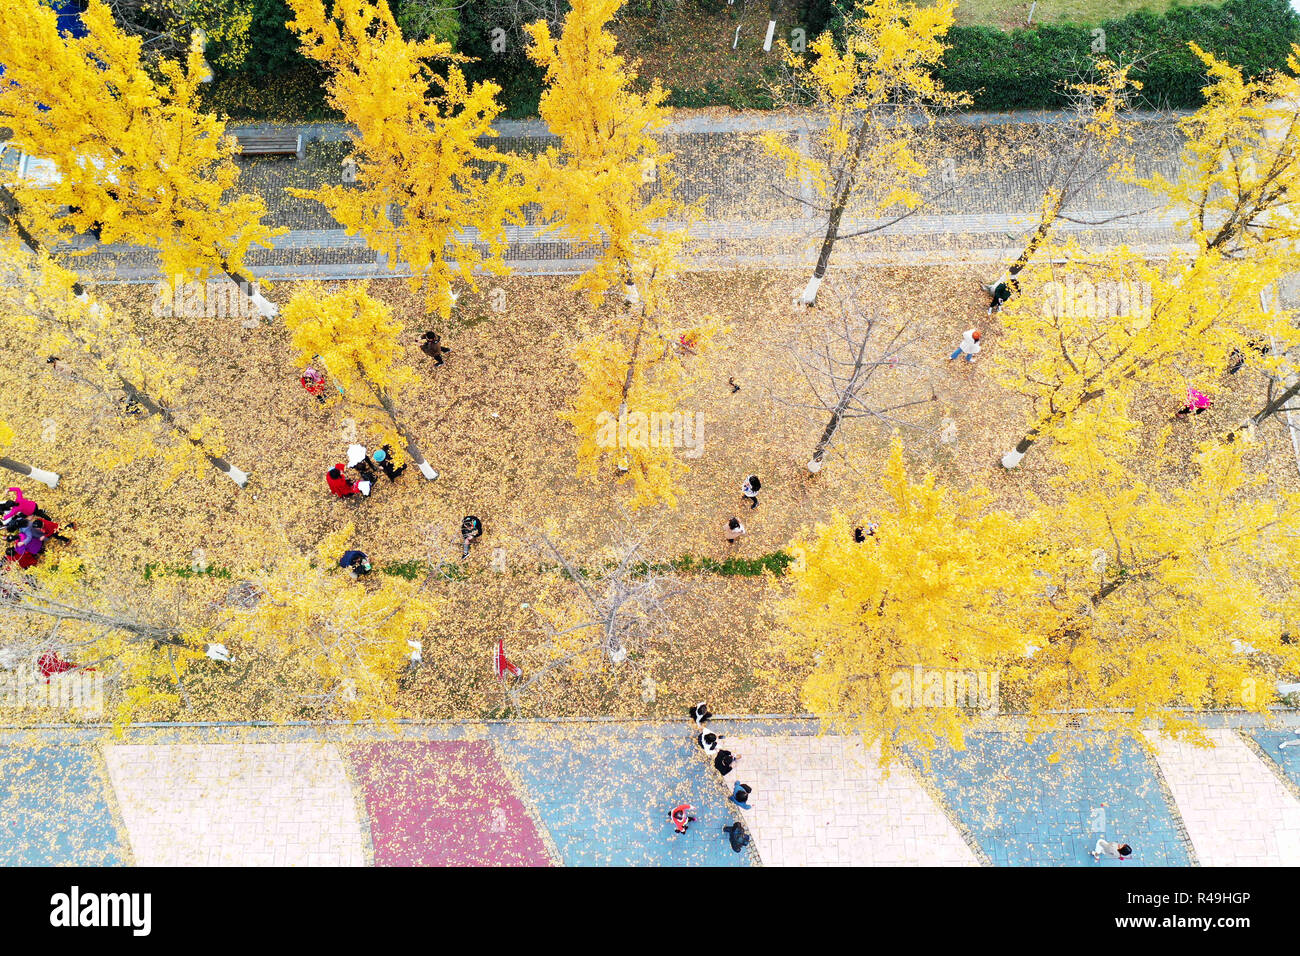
(444, 803)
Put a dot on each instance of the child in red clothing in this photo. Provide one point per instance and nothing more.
(681, 816)
(313, 382)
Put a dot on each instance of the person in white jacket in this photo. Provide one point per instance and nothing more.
(970, 345)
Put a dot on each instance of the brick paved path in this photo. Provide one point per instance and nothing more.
(273, 804)
(1237, 811)
(580, 793)
(825, 801)
(745, 221)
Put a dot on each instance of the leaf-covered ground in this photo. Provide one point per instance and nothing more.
(488, 422)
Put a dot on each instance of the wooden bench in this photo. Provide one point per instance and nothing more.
(271, 144)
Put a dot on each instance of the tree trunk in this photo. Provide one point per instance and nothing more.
(45, 477)
(631, 366)
(809, 295)
(1012, 458)
(265, 308)
(1276, 405)
(147, 632)
(412, 448)
(9, 209)
(239, 477)
(828, 432)
(1036, 240)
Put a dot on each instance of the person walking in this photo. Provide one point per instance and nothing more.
(737, 836)
(860, 535)
(431, 345)
(313, 383)
(740, 796)
(969, 347)
(21, 505)
(724, 760)
(750, 490)
(1111, 851)
(356, 562)
(1000, 293)
(30, 541)
(700, 713)
(734, 530)
(681, 817)
(470, 530)
(708, 741)
(50, 530)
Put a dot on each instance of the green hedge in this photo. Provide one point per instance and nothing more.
(1023, 69)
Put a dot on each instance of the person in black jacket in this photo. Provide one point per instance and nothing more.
(384, 458)
(737, 835)
(1001, 293)
(470, 528)
(740, 796)
(431, 345)
(724, 760)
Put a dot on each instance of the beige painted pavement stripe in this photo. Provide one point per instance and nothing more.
(1236, 811)
(282, 804)
(823, 801)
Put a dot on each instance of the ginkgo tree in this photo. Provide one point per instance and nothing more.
(1085, 328)
(299, 639)
(628, 408)
(355, 337)
(1122, 599)
(99, 345)
(136, 159)
(1091, 144)
(1241, 165)
(1167, 598)
(943, 584)
(430, 190)
(170, 27)
(874, 98)
(608, 182)
(857, 365)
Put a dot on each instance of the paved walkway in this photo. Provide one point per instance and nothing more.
(1236, 810)
(825, 801)
(986, 193)
(281, 804)
(597, 793)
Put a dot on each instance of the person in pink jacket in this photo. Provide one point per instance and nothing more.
(22, 506)
(1197, 402)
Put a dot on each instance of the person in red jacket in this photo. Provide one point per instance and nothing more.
(681, 816)
(340, 484)
(49, 663)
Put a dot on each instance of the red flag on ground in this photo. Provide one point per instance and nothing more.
(503, 665)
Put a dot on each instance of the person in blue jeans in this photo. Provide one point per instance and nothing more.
(970, 345)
